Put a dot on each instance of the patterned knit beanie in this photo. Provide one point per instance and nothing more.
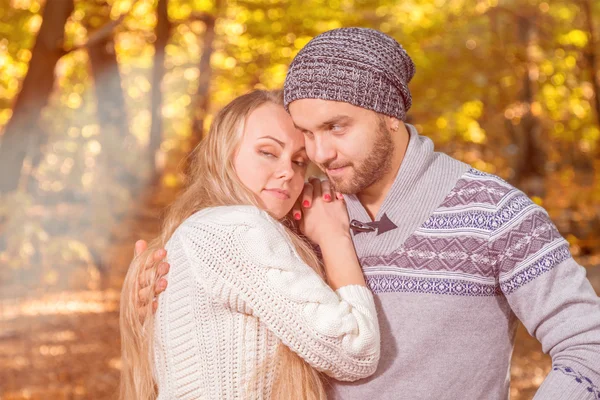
(360, 66)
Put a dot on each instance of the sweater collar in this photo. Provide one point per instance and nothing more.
(417, 158)
(423, 180)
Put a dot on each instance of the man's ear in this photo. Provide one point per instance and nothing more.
(393, 123)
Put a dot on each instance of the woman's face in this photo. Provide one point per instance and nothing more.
(271, 160)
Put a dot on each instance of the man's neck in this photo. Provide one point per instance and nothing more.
(373, 196)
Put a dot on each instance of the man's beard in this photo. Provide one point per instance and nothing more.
(372, 168)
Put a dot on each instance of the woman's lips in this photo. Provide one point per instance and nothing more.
(278, 193)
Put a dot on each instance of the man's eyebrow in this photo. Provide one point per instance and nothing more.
(272, 138)
(326, 124)
(300, 128)
(334, 120)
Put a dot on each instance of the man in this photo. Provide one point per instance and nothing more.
(454, 256)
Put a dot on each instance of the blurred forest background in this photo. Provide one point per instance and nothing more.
(101, 100)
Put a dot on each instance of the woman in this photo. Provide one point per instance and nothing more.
(247, 313)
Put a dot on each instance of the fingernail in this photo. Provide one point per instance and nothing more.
(305, 203)
(297, 216)
(327, 197)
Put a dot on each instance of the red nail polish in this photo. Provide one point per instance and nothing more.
(327, 197)
(305, 203)
(297, 216)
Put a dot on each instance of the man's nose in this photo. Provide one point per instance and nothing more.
(323, 151)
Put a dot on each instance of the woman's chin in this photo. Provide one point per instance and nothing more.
(276, 207)
(277, 211)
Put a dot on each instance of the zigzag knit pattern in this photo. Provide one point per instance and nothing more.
(485, 239)
(237, 291)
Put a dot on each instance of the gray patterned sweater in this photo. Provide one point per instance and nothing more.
(470, 255)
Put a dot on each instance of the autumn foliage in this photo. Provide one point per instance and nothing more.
(102, 100)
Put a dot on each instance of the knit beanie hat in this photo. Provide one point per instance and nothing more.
(360, 66)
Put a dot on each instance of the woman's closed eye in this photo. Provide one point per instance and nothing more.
(267, 154)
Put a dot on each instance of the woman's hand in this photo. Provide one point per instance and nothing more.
(325, 222)
(324, 215)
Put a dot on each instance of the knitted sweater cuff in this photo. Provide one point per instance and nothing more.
(358, 295)
(564, 383)
(358, 292)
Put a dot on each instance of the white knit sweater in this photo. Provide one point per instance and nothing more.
(237, 290)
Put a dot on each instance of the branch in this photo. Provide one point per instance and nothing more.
(100, 34)
(97, 36)
(500, 9)
(524, 12)
(205, 17)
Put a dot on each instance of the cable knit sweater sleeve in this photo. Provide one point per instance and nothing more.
(245, 259)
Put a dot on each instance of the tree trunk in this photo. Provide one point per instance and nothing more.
(162, 32)
(529, 168)
(593, 63)
(591, 57)
(111, 113)
(202, 96)
(111, 109)
(23, 133)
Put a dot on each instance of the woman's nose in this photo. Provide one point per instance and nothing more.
(286, 170)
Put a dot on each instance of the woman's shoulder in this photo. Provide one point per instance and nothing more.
(247, 227)
(230, 217)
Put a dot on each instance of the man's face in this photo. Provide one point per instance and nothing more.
(352, 145)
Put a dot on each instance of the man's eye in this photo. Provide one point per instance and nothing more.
(336, 128)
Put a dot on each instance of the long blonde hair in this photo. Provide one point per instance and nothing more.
(211, 181)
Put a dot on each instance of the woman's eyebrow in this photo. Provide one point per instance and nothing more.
(272, 138)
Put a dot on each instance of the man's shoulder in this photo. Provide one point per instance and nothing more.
(483, 202)
(480, 189)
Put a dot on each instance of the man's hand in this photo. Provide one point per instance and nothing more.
(146, 292)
